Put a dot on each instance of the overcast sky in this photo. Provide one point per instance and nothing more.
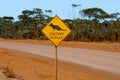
(60, 7)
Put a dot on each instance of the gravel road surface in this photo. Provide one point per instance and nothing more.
(107, 61)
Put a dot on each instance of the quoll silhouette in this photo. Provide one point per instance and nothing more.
(56, 27)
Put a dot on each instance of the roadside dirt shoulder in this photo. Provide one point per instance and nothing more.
(32, 67)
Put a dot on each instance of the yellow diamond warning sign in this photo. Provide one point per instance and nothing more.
(56, 30)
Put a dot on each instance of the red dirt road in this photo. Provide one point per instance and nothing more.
(103, 60)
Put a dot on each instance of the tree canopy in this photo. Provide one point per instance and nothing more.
(98, 26)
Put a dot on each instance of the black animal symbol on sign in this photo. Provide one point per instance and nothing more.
(56, 27)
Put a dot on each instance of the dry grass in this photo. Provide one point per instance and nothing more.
(7, 74)
(33, 67)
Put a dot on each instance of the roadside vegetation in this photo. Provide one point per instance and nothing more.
(96, 26)
(6, 74)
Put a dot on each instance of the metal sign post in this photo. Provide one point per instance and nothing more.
(56, 62)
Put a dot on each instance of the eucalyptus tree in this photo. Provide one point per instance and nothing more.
(38, 14)
(115, 16)
(48, 15)
(30, 20)
(8, 18)
(48, 12)
(1, 26)
(74, 7)
(96, 13)
(6, 23)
